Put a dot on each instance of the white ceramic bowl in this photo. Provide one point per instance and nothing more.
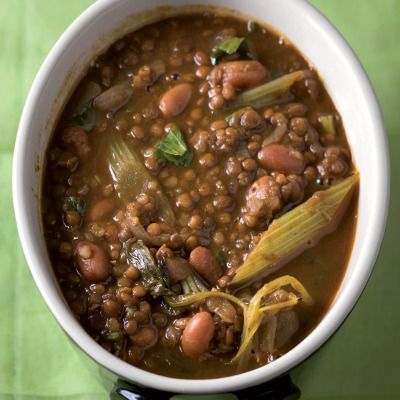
(347, 84)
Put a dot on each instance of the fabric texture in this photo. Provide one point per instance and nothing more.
(37, 360)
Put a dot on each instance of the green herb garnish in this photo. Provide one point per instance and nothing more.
(129, 107)
(71, 203)
(220, 258)
(254, 26)
(82, 120)
(112, 336)
(307, 257)
(174, 149)
(231, 46)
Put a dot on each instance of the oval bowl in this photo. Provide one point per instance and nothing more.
(348, 85)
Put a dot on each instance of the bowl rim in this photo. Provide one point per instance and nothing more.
(308, 346)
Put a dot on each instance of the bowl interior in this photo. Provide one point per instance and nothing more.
(347, 84)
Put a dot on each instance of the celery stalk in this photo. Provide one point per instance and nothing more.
(131, 178)
(255, 312)
(328, 124)
(296, 230)
(268, 92)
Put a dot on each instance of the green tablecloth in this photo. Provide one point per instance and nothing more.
(36, 359)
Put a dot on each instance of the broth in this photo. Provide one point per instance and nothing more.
(162, 177)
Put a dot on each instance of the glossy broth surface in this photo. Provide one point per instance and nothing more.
(155, 163)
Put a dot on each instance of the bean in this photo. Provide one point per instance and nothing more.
(191, 243)
(175, 100)
(199, 331)
(139, 291)
(76, 138)
(178, 268)
(206, 264)
(92, 261)
(222, 202)
(195, 222)
(243, 74)
(201, 58)
(102, 209)
(113, 98)
(184, 201)
(132, 273)
(159, 319)
(141, 317)
(145, 337)
(112, 309)
(153, 229)
(133, 354)
(130, 326)
(280, 158)
(251, 119)
(72, 218)
(217, 102)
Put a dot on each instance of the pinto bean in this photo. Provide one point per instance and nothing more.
(206, 264)
(92, 261)
(175, 100)
(197, 335)
(278, 157)
(178, 268)
(114, 98)
(243, 74)
(102, 209)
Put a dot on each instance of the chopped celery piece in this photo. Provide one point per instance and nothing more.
(132, 178)
(328, 124)
(255, 312)
(185, 300)
(268, 92)
(192, 284)
(297, 230)
(155, 278)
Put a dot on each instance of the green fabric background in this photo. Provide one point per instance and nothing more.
(36, 359)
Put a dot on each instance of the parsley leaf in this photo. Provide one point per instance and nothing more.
(220, 257)
(231, 46)
(82, 120)
(173, 148)
(306, 257)
(71, 203)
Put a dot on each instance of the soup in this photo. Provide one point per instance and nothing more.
(199, 198)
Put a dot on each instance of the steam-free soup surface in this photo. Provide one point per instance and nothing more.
(165, 171)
